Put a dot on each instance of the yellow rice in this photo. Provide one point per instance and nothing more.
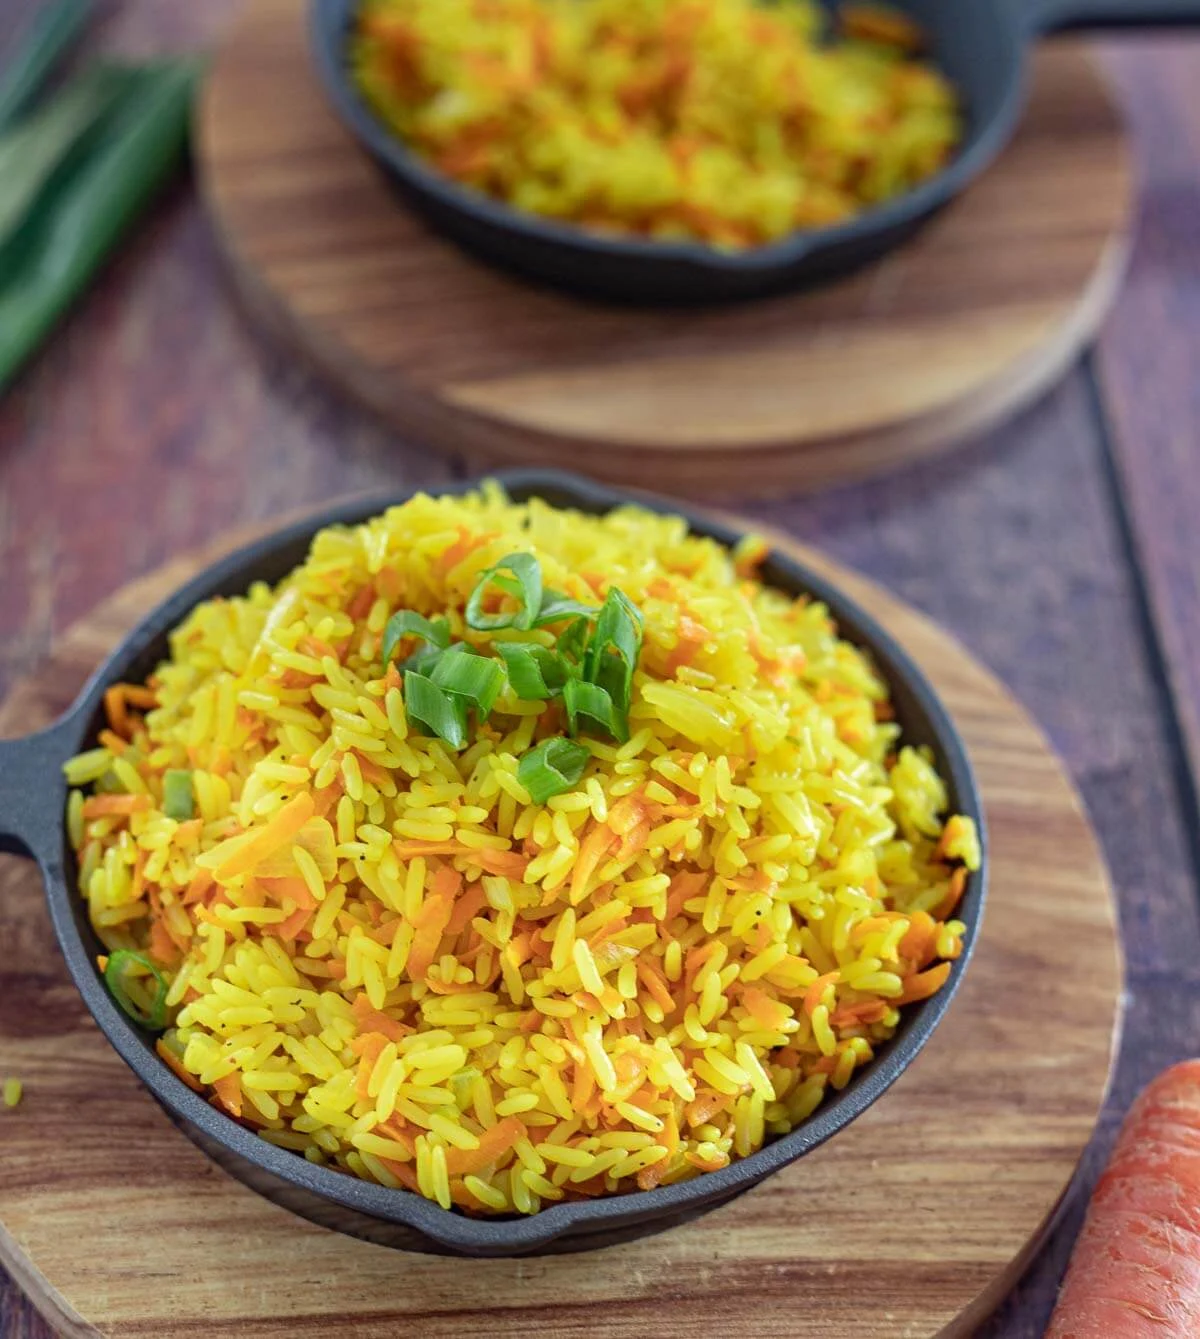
(647, 976)
(730, 121)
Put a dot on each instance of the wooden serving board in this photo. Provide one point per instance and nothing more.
(912, 1222)
(972, 319)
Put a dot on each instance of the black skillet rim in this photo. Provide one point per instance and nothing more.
(329, 21)
(451, 1229)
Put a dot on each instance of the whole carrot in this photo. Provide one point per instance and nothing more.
(1136, 1267)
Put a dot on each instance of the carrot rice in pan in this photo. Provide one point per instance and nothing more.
(512, 855)
(730, 122)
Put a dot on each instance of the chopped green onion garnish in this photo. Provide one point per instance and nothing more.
(476, 678)
(442, 713)
(129, 988)
(613, 651)
(572, 642)
(552, 768)
(535, 672)
(556, 606)
(178, 801)
(593, 702)
(518, 575)
(407, 623)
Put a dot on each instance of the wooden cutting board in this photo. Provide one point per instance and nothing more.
(968, 322)
(912, 1222)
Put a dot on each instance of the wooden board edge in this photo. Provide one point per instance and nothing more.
(54, 1309)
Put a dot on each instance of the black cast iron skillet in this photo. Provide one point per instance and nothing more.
(981, 45)
(32, 803)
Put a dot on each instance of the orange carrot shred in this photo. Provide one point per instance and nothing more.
(174, 1063)
(104, 806)
(923, 984)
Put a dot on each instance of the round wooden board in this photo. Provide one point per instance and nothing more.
(913, 1222)
(975, 317)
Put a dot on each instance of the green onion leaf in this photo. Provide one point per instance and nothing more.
(51, 34)
(535, 672)
(178, 801)
(613, 651)
(589, 700)
(552, 768)
(140, 144)
(440, 712)
(556, 606)
(572, 643)
(125, 976)
(476, 678)
(36, 150)
(518, 575)
(407, 623)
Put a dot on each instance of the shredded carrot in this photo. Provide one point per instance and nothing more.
(594, 847)
(403, 1172)
(292, 925)
(763, 1009)
(229, 1090)
(812, 996)
(707, 1103)
(431, 921)
(656, 985)
(366, 1046)
(863, 1011)
(465, 909)
(506, 864)
(162, 947)
(583, 1085)
(919, 940)
(360, 604)
(270, 837)
(112, 742)
(104, 806)
(493, 1144)
(174, 1063)
(114, 709)
(921, 985)
(370, 1019)
(947, 906)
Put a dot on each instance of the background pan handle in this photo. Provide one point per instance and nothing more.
(1051, 15)
(33, 792)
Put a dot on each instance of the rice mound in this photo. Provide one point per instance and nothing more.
(727, 121)
(382, 955)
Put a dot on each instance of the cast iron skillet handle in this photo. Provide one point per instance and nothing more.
(33, 792)
(1051, 15)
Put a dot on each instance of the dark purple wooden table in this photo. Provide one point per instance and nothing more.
(1064, 549)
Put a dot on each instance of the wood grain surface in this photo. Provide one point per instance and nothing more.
(1151, 355)
(1060, 548)
(903, 1225)
(970, 320)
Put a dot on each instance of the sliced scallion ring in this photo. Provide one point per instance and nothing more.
(518, 575)
(125, 976)
(442, 713)
(477, 679)
(589, 700)
(552, 768)
(535, 672)
(408, 623)
(178, 800)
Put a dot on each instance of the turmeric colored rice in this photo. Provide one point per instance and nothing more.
(731, 122)
(379, 952)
